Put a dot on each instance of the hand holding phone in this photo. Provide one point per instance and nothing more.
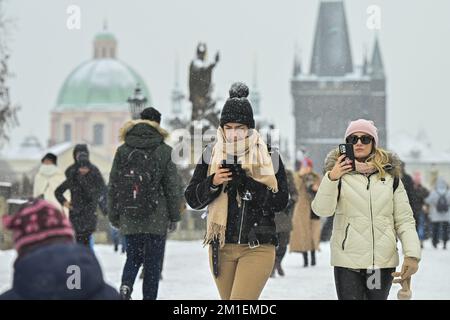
(223, 174)
(347, 150)
(344, 164)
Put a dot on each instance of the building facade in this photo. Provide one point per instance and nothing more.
(335, 91)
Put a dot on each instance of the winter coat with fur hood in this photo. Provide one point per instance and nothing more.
(148, 135)
(369, 217)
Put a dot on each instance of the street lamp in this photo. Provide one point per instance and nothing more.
(137, 103)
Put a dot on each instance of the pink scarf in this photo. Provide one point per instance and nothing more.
(364, 168)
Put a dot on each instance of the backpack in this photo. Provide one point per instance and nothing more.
(137, 187)
(442, 204)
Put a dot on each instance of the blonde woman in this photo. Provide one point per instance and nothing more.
(242, 196)
(371, 211)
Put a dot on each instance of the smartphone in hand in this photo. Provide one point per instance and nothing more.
(347, 149)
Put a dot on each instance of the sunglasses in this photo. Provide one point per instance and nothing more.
(354, 139)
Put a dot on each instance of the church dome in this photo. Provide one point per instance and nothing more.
(101, 84)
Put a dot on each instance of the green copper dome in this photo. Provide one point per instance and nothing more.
(100, 84)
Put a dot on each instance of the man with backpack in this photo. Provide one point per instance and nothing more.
(439, 202)
(145, 196)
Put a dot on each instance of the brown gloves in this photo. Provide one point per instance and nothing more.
(409, 267)
(405, 292)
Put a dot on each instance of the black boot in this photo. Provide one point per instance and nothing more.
(279, 268)
(313, 258)
(445, 245)
(116, 247)
(305, 259)
(125, 292)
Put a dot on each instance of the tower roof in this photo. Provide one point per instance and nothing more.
(331, 53)
(297, 70)
(377, 67)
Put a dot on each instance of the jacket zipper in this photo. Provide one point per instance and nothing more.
(242, 220)
(345, 238)
(371, 218)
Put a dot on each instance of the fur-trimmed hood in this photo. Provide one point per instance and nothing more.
(393, 167)
(143, 134)
(129, 125)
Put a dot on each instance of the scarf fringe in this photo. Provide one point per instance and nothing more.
(213, 232)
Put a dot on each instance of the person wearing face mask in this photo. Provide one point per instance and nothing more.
(48, 178)
(86, 186)
(371, 211)
(243, 184)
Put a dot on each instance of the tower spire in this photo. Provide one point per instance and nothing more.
(105, 44)
(297, 70)
(331, 54)
(255, 97)
(365, 66)
(177, 94)
(377, 67)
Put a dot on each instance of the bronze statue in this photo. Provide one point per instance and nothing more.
(200, 87)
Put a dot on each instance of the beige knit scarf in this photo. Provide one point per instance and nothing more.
(253, 154)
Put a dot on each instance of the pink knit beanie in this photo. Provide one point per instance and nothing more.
(362, 125)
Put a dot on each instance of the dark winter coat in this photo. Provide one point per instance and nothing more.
(283, 219)
(43, 274)
(85, 195)
(148, 135)
(417, 199)
(261, 209)
(409, 184)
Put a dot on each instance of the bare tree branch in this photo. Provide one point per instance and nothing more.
(8, 112)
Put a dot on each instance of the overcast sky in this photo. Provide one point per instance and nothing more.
(414, 39)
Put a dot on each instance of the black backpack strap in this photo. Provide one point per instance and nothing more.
(339, 189)
(396, 183)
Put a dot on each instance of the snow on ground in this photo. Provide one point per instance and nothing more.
(187, 276)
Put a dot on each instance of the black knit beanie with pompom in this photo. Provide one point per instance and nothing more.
(237, 108)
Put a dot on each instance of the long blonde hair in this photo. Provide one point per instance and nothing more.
(379, 158)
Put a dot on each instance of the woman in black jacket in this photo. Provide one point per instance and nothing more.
(86, 186)
(243, 184)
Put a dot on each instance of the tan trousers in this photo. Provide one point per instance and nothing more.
(243, 272)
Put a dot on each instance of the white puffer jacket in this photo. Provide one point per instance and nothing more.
(48, 178)
(369, 217)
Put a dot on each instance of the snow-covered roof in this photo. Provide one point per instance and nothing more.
(5, 184)
(27, 151)
(417, 149)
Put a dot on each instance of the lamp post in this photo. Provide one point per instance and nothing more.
(137, 103)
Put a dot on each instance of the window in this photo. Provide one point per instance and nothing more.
(67, 132)
(98, 134)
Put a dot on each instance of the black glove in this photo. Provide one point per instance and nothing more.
(239, 176)
(172, 226)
